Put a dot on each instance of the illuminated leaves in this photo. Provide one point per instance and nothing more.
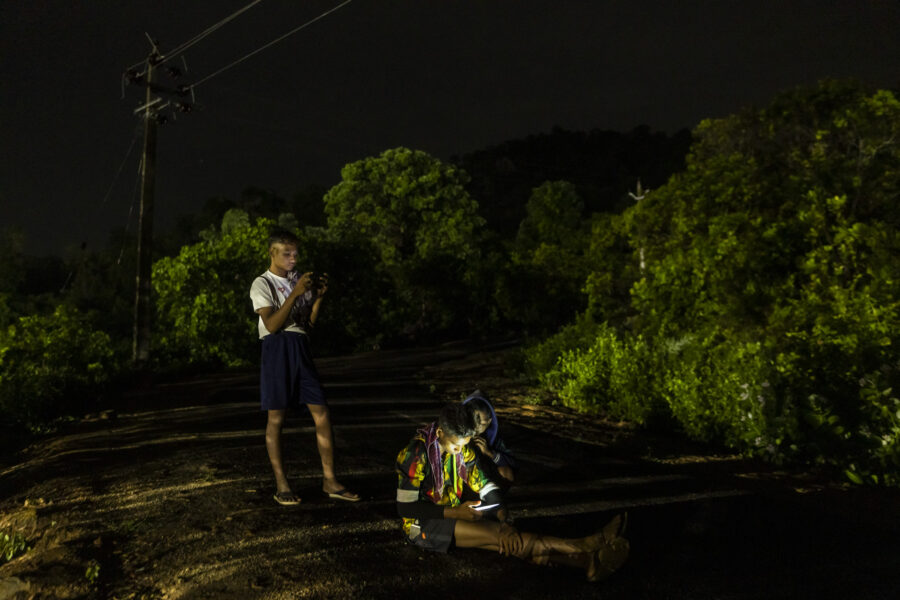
(775, 254)
(51, 365)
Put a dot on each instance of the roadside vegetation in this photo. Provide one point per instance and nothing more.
(749, 299)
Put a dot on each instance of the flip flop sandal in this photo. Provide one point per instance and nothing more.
(342, 494)
(286, 498)
(608, 559)
(616, 530)
(610, 532)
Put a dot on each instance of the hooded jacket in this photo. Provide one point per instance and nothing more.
(502, 456)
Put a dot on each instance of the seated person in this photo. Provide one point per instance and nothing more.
(433, 470)
(499, 465)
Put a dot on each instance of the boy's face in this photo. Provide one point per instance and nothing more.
(482, 420)
(284, 258)
(449, 443)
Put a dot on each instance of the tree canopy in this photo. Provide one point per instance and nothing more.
(765, 278)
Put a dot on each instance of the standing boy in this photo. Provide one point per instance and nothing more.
(287, 306)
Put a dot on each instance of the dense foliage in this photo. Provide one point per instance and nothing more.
(203, 310)
(754, 298)
(413, 213)
(749, 300)
(201, 295)
(540, 284)
(51, 365)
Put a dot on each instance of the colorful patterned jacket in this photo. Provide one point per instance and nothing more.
(416, 483)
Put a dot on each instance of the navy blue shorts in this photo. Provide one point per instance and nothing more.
(433, 534)
(288, 376)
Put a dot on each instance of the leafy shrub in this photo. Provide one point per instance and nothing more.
(11, 545)
(412, 215)
(763, 282)
(542, 357)
(726, 392)
(547, 255)
(92, 572)
(203, 309)
(611, 375)
(879, 436)
(52, 365)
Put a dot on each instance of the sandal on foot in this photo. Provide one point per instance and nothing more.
(342, 494)
(611, 531)
(616, 526)
(286, 498)
(608, 559)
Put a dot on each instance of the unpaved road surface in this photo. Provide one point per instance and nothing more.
(172, 498)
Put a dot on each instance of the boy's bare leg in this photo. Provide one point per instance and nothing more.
(273, 447)
(325, 441)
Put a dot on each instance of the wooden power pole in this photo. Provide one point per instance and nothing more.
(151, 112)
(142, 306)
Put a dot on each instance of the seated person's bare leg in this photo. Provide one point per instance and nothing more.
(539, 549)
(325, 441)
(598, 559)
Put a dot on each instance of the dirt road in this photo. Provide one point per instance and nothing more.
(172, 498)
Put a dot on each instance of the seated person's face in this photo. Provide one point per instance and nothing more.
(451, 444)
(482, 420)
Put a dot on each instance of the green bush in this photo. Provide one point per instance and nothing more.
(878, 458)
(202, 295)
(11, 545)
(726, 392)
(203, 310)
(542, 288)
(763, 287)
(411, 214)
(51, 366)
(542, 357)
(610, 375)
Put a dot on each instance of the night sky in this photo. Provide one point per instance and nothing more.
(447, 77)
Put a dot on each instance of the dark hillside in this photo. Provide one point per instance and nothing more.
(602, 165)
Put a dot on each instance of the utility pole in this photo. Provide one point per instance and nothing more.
(142, 313)
(151, 112)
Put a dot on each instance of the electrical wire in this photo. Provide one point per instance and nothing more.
(180, 49)
(121, 166)
(200, 36)
(272, 43)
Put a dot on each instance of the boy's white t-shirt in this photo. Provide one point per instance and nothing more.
(261, 296)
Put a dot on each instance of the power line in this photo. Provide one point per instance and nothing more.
(121, 166)
(200, 36)
(152, 117)
(156, 105)
(179, 49)
(272, 43)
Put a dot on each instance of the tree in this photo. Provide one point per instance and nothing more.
(12, 273)
(203, 309)
(415, 215)
(203, 312)
(543, 288)
(771, 287)
(50, 371)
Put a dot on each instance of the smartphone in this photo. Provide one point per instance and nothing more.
(485, 506)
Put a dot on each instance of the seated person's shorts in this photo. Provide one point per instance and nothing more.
(433, 534)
